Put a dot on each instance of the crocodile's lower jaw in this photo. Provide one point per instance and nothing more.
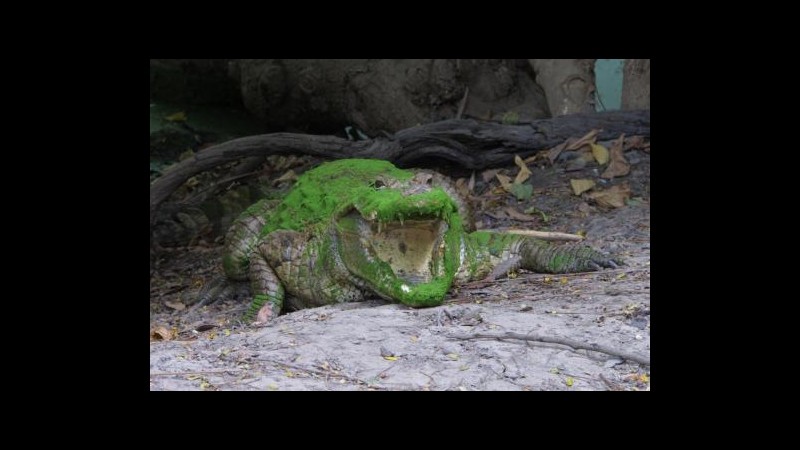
(414, 249)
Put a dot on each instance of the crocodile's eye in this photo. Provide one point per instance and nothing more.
(379, 184)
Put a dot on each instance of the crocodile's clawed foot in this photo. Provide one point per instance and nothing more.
(267, 314)
(599, 262)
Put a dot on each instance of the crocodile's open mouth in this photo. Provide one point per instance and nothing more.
(413, 249)
(399, 260)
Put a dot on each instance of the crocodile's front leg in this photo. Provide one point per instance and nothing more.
(266, 287)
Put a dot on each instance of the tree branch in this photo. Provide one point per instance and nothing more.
(643, 360)
(469, 143)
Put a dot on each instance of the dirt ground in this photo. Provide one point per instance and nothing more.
(375, 345)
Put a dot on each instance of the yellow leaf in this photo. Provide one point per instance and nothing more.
(524, 173)
(570, 381)
(564, 280)
(600, 154)
(505, 181)
(204, 384)
(547, 279)
(453, 356)
(227, 332)
(272, 387)
(644, 378)
(177, 117)
(581, 186)
(289, 373)
(390, 358)
(212, 335)
(463, 368)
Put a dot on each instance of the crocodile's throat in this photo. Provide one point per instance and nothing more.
(413, 249)
(396, 258)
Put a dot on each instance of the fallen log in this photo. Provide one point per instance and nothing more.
(467, 142)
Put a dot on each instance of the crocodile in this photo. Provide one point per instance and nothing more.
(353, 229)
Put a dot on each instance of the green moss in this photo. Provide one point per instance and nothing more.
(332, 188)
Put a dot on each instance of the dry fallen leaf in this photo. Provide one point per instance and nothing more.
(471, 184)
(161, 333)
(613, 197)
(570, 381)
(553, 153)
(288, 176)
(487, 175)
(588, 138)
(177, 117)
(600, 154)
(516, 215)
(390, 358)
(633, 142)
(452, 356)
(505, 181)
(524, 172)
(461, 187)
(581, 185)
(619, 165)
(177, 306)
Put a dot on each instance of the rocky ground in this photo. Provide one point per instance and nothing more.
(375, 345)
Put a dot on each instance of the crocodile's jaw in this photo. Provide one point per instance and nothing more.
(398, 260)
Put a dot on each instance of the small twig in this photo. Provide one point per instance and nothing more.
(643, 360)
(608, 383)
(199, 372)
(463, 103)
(322, 373)
(546, 235)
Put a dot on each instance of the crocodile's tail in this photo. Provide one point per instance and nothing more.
(211, 291)
(493, 254)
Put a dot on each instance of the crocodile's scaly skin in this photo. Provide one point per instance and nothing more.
(333, 240)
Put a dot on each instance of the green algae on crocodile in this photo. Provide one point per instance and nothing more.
(351, 228)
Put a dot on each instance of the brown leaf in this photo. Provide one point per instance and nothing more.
(580, 186)
(177, 306)
(613, 197)
(633, 142)
(516, 215)
(618, 166)
(553, 153)
(487, 175)
(588, 138)
(524, 172)
(505, 181)
(471, 184)
(288, 176)
(461, 187)
(161, 333)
